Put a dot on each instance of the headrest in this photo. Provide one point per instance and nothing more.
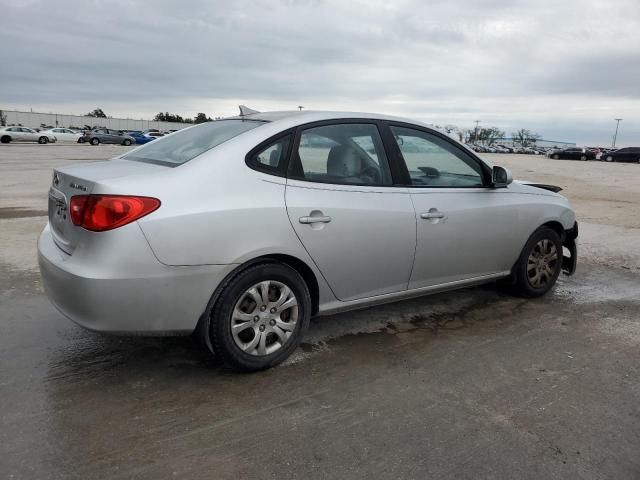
(343, 161)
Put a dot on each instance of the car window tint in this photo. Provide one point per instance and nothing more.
(342, 154)
(187, 144)
(434, 162)
(273, 156)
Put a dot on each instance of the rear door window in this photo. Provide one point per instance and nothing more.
(348, 154)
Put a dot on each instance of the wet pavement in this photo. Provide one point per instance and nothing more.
(469, 384)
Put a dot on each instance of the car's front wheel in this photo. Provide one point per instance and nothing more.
(94, 141)
(539, 264)
(43, 140)
(126, 142)
(556, 156)
(259, 316)
(584, 158)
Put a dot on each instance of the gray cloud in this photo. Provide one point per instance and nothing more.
(565, 68)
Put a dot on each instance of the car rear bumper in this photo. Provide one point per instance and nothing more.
(160, 300)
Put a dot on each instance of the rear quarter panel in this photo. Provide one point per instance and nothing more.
(216, 210)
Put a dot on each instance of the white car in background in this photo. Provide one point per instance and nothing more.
(64, 134)
(154, 134)
(24, 134)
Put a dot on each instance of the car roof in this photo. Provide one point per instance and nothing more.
(297, 117)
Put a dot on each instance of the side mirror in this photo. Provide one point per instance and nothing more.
(501, 177)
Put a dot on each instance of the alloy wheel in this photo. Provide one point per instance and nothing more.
(542, 263)
(264, 318)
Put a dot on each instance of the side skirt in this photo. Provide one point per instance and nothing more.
(339, 307)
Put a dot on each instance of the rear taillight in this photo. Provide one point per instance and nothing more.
(106, 212)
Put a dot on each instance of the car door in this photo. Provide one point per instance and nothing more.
(30, 135)
(26, 134)
(628, 155)
(16, 134)
(59, 133)
(64, 135)
(359, 229)
(112, 137)
(463, 226)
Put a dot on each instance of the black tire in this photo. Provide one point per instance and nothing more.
(126, 142)
(80, 140)
(94, 141)
(43, 140)
(584, 158)
(232, 290)
(609, 158)
(556, 156)
(5, 139)
(522, 281)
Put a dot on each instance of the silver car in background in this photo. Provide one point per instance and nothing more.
(242, 229)
(25, 134)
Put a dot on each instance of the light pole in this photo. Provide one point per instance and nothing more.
(475, 132)
(615, 135)
(300, 107)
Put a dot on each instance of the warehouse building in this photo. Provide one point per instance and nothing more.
(42, 120)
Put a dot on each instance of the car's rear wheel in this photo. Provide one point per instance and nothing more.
(609, 158)
(5, 139)
(94, 141)
(80, 140)
(126, 142)
(259, 317)
(539, 264)
(556, 156)
(43, 140)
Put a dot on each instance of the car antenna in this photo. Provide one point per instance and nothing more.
(244, 110)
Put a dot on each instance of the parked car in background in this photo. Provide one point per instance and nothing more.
(139, 138)
(65, 135)
(25, 134)
(105, 135)
(628, 154)
(154, 134)
(573, 153)
(242, 229)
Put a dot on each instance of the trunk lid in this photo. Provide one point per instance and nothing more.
(83, 179)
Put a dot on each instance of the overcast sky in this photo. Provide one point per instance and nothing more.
(563, 68)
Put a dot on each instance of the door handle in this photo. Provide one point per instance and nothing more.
(430, 215)
(319, 219)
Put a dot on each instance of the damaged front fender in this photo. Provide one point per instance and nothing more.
(570, 262)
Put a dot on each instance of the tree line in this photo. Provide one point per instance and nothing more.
(490, 135)
(160, 117)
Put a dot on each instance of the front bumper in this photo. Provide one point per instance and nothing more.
(154, 300)
(570, 262)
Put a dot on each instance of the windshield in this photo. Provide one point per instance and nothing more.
(184, 145)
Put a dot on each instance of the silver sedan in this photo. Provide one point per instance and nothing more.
(242, 229)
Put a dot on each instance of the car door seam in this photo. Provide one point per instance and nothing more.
(286, 208)
(415, 244)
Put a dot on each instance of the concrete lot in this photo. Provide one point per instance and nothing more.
(470, 384)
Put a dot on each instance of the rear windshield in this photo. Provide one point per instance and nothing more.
(184, 145)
